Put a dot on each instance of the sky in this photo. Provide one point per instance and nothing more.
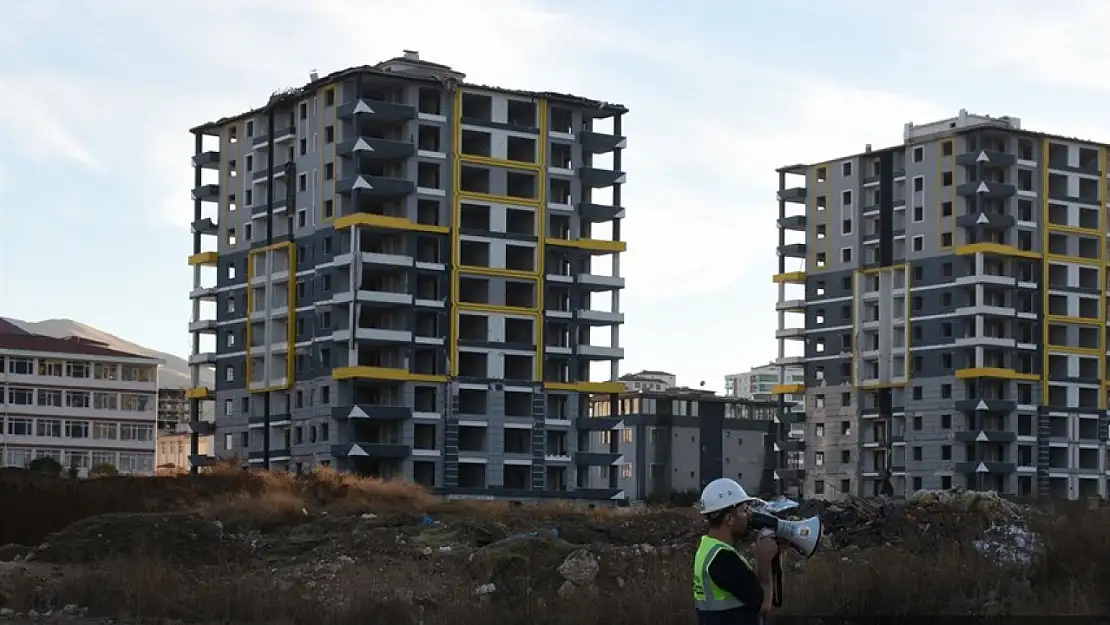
(96, 99)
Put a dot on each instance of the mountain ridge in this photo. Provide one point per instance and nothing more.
(175, 373)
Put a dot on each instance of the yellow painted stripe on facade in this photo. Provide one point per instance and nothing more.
(586, 387)
(204, 259)
(1083, 321)
(1044, 270)
(496, 199)
(1074, 260)
(788, 389)
(486, 161)
(456, 221)
(1103, 226)
(590, 245)
(200, 393)
(790, 277)
(499, 273)
(939, 190)
(906, 317)
(386, 222)
(498, 309)
(995, 372)
(1075, 351)
(291, 332)
(541, 247)
(998, 249)
(391, 374)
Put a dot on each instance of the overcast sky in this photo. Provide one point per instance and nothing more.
(96, 99)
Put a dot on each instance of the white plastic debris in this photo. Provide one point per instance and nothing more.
(1009, 544)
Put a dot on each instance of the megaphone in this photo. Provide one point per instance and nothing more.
(804, 536)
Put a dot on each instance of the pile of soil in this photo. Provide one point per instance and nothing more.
(186, 539)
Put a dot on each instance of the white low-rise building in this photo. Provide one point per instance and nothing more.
(76, 401)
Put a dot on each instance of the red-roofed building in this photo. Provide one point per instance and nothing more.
(77, 401)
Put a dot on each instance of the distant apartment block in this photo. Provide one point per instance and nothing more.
(649, 381)
(678, 440)
(399, 273)
(760, 382)
(76, 401)
(174, 450)
(949, 300)
(173, 409)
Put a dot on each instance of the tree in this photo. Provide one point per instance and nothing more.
(105, 469)
(46, 466)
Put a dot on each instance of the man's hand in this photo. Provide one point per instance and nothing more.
(766, 547)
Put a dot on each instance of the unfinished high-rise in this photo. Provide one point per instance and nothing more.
(951, 297)
(406, 281)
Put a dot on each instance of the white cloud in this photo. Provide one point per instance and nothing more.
(1063, 43)
(29, 120)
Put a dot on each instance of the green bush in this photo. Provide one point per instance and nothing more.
(105, 469)
(46, 466)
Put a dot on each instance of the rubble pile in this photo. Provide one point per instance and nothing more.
(926, 519)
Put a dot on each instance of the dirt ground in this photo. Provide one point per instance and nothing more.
(340, 547)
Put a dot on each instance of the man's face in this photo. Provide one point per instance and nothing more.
(738, 520)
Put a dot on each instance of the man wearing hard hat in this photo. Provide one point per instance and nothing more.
(727, 589)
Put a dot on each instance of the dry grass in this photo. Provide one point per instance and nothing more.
(1069, 578)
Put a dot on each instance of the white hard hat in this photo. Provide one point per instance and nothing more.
(723, 493)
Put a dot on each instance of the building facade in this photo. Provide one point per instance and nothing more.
(407, 279)
(677, 441)
(76, 401)
(649, 381)
(951, 294)
(771, 382)
(172, 455)
(173, 409)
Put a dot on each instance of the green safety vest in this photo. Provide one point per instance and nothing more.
(707, 596)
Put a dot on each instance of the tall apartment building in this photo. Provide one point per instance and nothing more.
(649, 381)
(405, 279)
(952, 298)
(76, 401)
(678, 440)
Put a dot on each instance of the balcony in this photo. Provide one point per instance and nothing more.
(275, 453)
(207, 160)
(206, 193)
(206, 326)
(793, 250)
(596, 458)
(596, 424)
(798, 334)
(205, 226)
(376, 186)
(795, 195)
(984, 436)
(376, 111)
(982, 466)
(599, 143)
(280, 171)
(201, 427)
(370, 412)
(986, 190)
(599, 352)
(205, 358)
(591, 282)
(281, 135)
(795, 223)
(384, 299)
(986, 405)
(986, 221)
(989, 159)
(600, 178)
(371, 450)
(599, 317)
(599, 212)
(376, 149)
